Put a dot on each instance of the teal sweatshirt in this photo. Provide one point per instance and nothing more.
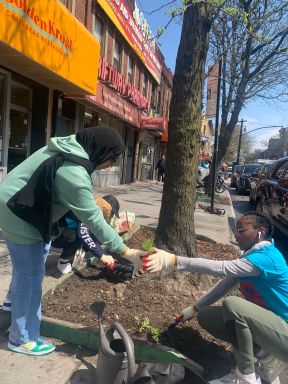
(73, 191)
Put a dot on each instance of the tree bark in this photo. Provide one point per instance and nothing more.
(176, 230)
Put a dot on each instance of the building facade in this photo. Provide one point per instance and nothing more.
(131, 86)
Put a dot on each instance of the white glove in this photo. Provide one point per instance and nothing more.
(106, 260)
(133, 252)
(188, 313)
(159, 260)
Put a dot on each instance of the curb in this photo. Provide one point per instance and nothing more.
(89, 338)
(232, 225)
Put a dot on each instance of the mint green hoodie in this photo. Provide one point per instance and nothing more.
(73, 191)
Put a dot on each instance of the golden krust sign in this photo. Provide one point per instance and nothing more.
(46, 32)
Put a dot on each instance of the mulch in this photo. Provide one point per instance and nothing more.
(147, 304)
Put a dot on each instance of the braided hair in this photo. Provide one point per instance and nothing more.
(261, 220)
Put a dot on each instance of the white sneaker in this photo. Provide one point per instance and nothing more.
(269, 368)
(7, 305)
(64, 268)
(236, 377)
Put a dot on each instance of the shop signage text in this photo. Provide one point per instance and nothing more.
(155, 123)
(108, 74)
(45, 25)
(48, 34)
(135, 32)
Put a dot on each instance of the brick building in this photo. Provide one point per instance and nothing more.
(40, 99)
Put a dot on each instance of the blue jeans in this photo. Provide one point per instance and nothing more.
(25, 291)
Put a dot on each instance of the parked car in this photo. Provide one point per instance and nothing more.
(255, 180)
(243, 182)
(236, 170)
(272, 199)
(227, 173)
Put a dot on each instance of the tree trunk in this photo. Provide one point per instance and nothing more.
(176, 230)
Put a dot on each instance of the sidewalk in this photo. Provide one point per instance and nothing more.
(70, 364)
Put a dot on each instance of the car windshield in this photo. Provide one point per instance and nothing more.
(250, 168)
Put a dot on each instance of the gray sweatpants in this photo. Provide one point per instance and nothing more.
(244, 324)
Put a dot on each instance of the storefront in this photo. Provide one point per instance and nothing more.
(43, 50)
(150, 145)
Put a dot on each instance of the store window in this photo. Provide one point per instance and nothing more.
(20, 124)
(117, 56)
(153, 96)
(144, 85)
(98, 31)
(131, 70)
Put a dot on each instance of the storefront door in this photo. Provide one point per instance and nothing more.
(20, 124)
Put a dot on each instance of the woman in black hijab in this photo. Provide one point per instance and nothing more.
(33, 197)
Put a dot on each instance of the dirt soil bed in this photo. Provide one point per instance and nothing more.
(147, 300)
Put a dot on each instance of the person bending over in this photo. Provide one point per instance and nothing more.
(33, 197)
(76, 239)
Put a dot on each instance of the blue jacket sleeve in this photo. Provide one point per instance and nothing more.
(89, 242)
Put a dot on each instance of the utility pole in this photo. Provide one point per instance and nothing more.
(216, 140)
(240, 140)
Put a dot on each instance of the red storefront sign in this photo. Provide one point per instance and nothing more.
(133, 28)
(110, 75)
(154, 123)
(107, 98)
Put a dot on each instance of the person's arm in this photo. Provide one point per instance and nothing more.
(237, 268)
(219, 290)
(74, 191)
(90, 244)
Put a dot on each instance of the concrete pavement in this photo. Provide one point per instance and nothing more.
(67, 364)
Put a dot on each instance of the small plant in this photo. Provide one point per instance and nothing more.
(152, 333)
(148, 245)
(142, 325)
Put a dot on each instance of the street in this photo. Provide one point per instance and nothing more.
(241, 205)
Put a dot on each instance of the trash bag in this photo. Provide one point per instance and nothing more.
(149, 373)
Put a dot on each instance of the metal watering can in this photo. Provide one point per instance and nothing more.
(116, 361)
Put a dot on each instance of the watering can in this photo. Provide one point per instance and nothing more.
(116, 361)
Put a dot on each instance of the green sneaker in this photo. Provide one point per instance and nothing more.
(40, 347)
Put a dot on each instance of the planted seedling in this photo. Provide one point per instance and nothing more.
(152, 333)
(147, 246)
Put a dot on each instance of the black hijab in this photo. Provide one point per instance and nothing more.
(101, 143)
(33, 203)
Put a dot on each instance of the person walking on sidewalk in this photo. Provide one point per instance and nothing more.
(256, 325)
(33, 197)
(160, 169)
(76, 238)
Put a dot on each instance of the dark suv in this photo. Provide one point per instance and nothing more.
(256, 179)
(243, 179)
(272, 197)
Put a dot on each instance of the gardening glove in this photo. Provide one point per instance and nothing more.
(133, 253)
(159, 260)
(188, 313)
(107, 261)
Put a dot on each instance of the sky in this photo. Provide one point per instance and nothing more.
(257, 113)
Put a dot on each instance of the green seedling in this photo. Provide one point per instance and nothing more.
(145, 326)
(148, 245)
(155, 334)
